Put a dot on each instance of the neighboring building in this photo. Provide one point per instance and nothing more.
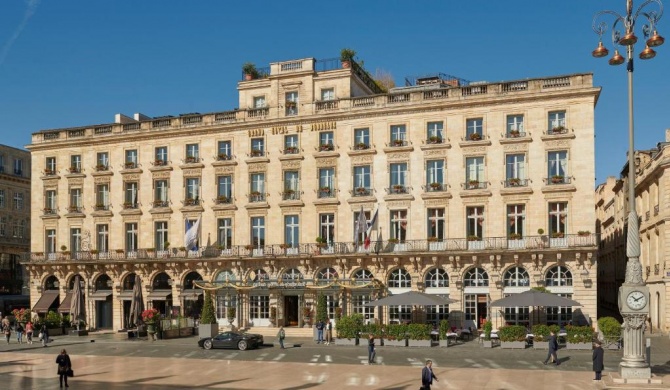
(652, 187)
(14, 225)
(462, 175)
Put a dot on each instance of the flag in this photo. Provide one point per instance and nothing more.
(371, 225)
(378, 244)
(191, 236)
(360, 227)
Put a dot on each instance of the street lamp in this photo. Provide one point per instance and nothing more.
(633, 294)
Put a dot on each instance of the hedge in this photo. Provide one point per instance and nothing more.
(541, 332)
(579, 334)
(348, 327)
(512, 333)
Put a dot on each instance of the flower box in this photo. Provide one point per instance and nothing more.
(326, 147)
(398, 142)
(513, 344)
(395, 343)
(514, 133)
(558, 129)
(418, 343)
(557, 179)
(129, 165)
(362, 146)
(543, 345)
(74, 169)
(475, 137)
(223, 157)
(579, 346)
(191, 160)
(159, 163)
(256, 153)
(435, 140)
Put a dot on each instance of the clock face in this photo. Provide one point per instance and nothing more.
(636, 300)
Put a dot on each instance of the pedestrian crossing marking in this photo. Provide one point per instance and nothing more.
(262, 356)
(280, 356)
(329, 359)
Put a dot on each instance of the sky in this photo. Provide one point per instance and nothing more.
(68, 63)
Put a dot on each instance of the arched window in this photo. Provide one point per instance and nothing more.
(516, 277)
(400, 278)
(224, 276)
(259, 275)
(51, 283)
(476, 277)
(291, 275)
(437, 277)
(363, 276)
(103, 282)
(128, 282)
(190, 278)
(558, 276)
(162, 282)
(326, 275)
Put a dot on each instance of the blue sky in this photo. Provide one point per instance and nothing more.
(78, 62)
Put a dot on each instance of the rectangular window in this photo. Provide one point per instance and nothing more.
(102, 197)
(474, 170)
(557, 121)
(75, 200)
(75, 163)
(259, 306)
(258, 231)
(192, 153)
(328, 94)
(559, 315)
(50, 201)
(361, 235)
(223, 302)
(326, 141)
(131, 195)
(160, 234)
(557, 168)
(131, 159)
(558, 219)
(50, 166)
(326, 182)
(50, 241)
(131, 237)
(475, 222)
(514, 125)
(2, 199)
(102, 242)
(400, 314)
(291, 144)
(291, 185)
(362, 180)
(517, 315)
(474, 129)
(399, 225)
(257, 147)
(516, 219)
(18, 201)
(327, 228)
(359, 302)
(435, 314)
(515, 170)
(291, 231)
(224, 189)
(225, 234)
(361, 139)
(291, 103)
(161, 156)
(18, 166)
(3, 226)
(435, 132)
(471, 307)
(2, 163)
(161, 193)
(192, 190)
(398, 178)
(436, 224)
(225, 150)
(102, 161)
(398, 135)
(435, 175)
(259, 101)
(257, 190)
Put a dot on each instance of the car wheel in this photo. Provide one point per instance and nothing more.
(207, 344)
(242, 345)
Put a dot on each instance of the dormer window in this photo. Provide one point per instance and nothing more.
(259, 101)
(291, 103)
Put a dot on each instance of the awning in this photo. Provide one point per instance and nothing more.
(100, 295)
(191, 295)
(46, 300)
(65, 305)
(160, 295)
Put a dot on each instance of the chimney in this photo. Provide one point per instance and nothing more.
(141, 117)
(120, 118)
(667, 135)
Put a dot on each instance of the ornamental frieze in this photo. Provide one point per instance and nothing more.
(290, 164)
(398, 156)
(224, 213)
(361, 159)
(161, 175)
(436, 202)
(318, 126)
(224, 169)
(366, 206)
(258, 167)
(256, 132)
(437, 152)
(288, 210)
(192, 172)
(326, 162)
(474, 150)
(132, 176)
(558, 195)
(101, 180)
(515, 198)
(161, 216)
(557, 144)
(131, 218)
(322, 209)
(400, 203)
(76, 181)
(516, 148)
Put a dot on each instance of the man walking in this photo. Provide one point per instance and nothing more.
(598, 357)
(371, 348)
(427, 375)
(319, 332)
(553, 348)
(280, 335)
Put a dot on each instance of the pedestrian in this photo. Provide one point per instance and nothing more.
(427, 375)
(44, 335)
(64, 365)
(29, 332)
(281, 335)
(7, 331)
(319, 332)
(371, 348)
(19, 332)
(598, 363)
(553, 348)
(329, 332)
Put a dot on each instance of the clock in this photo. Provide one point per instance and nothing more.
(636, 300)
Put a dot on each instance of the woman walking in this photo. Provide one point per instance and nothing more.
(19, 332)
(64, 365)
(29, 332)
(44, 332)
(371, 348)
(7, 331)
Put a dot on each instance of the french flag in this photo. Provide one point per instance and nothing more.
(368, 232)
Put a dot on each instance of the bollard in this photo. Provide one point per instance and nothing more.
(649, 352)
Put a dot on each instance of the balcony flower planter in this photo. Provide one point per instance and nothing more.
(583, 233)
(474, 238)
(557, 179)
(191, 160)
(100, 167)
(434, 140)
(398, 142)
(435, 186)
(74, 169)
(346, 56)
(557, 235)
(159, 163)
(256, 153)
(73, 209)
(222, 200)
(487, 343)
(223, 157)
(127, 205)
(361, 146)
(398, 189)
(514, 133)
(475, 137)
(362, 191)
(325, 190)
(49, 172)
(190, 202)
(514, 182)
(290, 104)
(326, 147)
(515, 236)
(129, 165)
(558, 130)
(291, 150)
(472, 184)
(250, 71)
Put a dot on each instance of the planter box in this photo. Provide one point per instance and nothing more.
(53, 332)
(487, 343)
(513, 344)
(544, 345)
(444, 343)
(177, 333)
(395, 343)
(208, 330)
(579, 346)
(346, 342)
(418, 343)
(81, 332)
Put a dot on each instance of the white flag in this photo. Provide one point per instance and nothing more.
(191, 236)
(361, 226)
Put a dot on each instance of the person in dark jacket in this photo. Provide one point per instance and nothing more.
(64, 364)
(371, 348)
(45, 335)
(598, 360)
(553, 347)
(427, 375)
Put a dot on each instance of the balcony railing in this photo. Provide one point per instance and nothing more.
(102, 167)
(326, 192)
(290, 195)
(432, 245)
(516, 134)
(49, 172)
(557, 130)
(101, 207)
(361, 191)
(397, 189)
(130, 205)
(255, 153)
(291, 150)
(74, 169)
(49, 211)
(361, 146)
(475, 185)
(192, 202)
(255, 197)
(557, 180)
(329, 147)
(434, 140)
(74, 209)
(129, 165)
(224, 157)
(397, 143)
(223, 200)
(516, 182)
(327, 105)
(436, 187)
(161, 203)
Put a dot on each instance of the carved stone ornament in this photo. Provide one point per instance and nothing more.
(224, 170)
(290, 210)
(398, 156)
(319, 126)
(290, 164)
(633, 321)
(357, 160)
(516, 148)
(192, 172)
(633, 272)
(436, 152)
(258, 167)
(161, 175)
(557, 144)
(76, 181)
(101, 180)
(131, 176)
(161, 216)
(326, 162)
(323, 209)
(474, 150)
(224, 213)
(436, 202)
(398, 204)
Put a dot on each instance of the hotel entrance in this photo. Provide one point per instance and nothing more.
(291, 310)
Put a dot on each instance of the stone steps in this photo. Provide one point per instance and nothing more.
(290, 332)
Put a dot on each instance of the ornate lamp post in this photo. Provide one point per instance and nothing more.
(633, 294)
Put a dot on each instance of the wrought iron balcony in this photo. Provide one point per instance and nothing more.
(434, 140)
(290, 195)
(326, 192)
(397, 143)
(130, 205)
(256, 196)
(436, 187)
(222, 199)
(223, 157)
(161, 203)
(74, 209)
(515, 134)
(101, 207)
(397, 189)
(74, 169)
(516, 182)
(101, 167)
(361, 191)
(558, 179)
(291, 150)
(192, 202)
(475, 185)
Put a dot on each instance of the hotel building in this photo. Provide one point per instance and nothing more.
(481, 190)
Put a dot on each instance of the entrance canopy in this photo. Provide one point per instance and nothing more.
(534, 298)
(65, 305)
(414, 298)
(46, 300)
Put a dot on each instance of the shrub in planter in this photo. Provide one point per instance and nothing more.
(321, 308)
(53, 320)
(396, 332)
(374, 329)
(579, 334)
(541, 332)
(418, 331)
(488, 327)
(610, 328)
(444, 328)
(208, 326)
(348, 327)
(512, 333)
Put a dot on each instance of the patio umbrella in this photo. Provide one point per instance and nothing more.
(77, 303)
(137, 303)
(534, 298)
(412, 298)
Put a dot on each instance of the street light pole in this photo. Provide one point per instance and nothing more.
(633, 294)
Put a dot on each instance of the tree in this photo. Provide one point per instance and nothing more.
(321, 308)
(207, 316)
(384, 79)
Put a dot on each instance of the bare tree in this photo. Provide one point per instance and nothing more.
(384, 79)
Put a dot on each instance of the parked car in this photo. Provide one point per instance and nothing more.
(241, 341)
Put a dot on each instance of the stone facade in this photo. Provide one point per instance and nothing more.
(474, 217)
(652, 187)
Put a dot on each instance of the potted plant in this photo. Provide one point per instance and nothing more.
(159, 162)
(512, 336)
(151, 317)
(326, 147)
(250, 71)
(320, 242)
(191, 159)
(398, 188)
(129, 165)
(418, 335)
(609, 332)
(514, 181)
(361, 190)
(223, 156)
(432, 239)
(393, 240)
(101, 167)
(348, 328)
(557, 179)
(208, 326)
(127, 205)
(515, 236)
(99, 206)
(488, 327)
(579, 337)
(273, 315)
(514, 133)
(222, 199)
(325, 190)
(434, 139)
(398, 142)
(473, 183)
(230, 314)
(475, 137)
(541, 335)
(248, 247)
(558, 129)
(444, 329)
(74, 169)
(362, 146)
(291, 150)
(584, 233)
(346, 56)
(256, 152)
(306, 316)
(119, 251)
(435, 186)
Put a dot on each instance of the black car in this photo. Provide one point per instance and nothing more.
(241, 341)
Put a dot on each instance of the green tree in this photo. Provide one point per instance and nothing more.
(321, 308)
(207, 316)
